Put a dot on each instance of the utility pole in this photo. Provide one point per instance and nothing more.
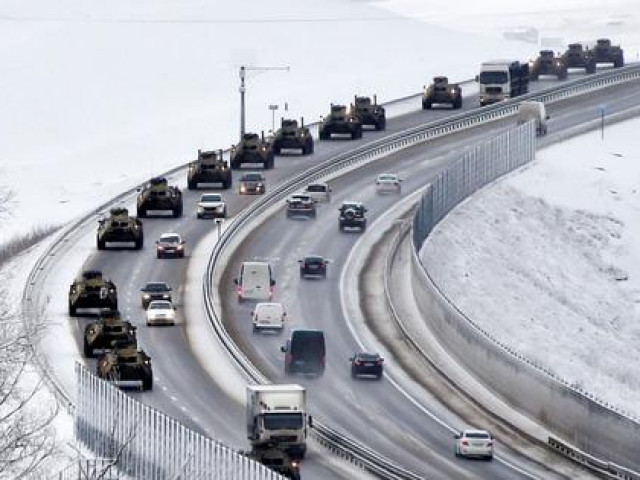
(243, 72)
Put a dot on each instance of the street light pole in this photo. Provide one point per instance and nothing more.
(273, 109)
(242, 90)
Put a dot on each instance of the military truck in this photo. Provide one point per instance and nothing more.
(253, 148)
(577, 56)
(292, 135)
(157, 194)
(276, 459)
(340, 120)
(441, 92)
(119, 227)
(125, 366)
(92, 290)
(604, 52)
(209, 168)
(370, 113)
(109, 328)
(548, 64)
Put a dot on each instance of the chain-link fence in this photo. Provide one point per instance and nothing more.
(145, 443)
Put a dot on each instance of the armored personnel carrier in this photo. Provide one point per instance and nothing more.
(577, 56)
(125, 366)
(120, 227)
(102, 334)
(276, 459)
(209, 168)
(340, 120)
(370, 113)
(604, 52)
(441, 91)
(92, 290)
(548, 64)
(292, 135)
(252, 148)
(157, 194)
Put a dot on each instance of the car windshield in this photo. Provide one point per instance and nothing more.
(493, 77)
(156, 287)
(170, 239)
(317, 188)
(368, 357)
(211, 197)
(477, 435)
(252, 177)
(160, 306)
(283, 421)
(387, 177)
(313, 260)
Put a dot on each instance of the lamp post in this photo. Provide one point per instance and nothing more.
(218, 222)
(273, 109)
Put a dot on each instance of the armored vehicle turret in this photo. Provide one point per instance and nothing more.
(103, 333)
(548, 64)
(604, 52)
(157, 194)
(276, 459)
(126, 366)
(252, 148)
(119, 227)
(340, 120)
(209, 168)
(92, 290)
(441, 91)
(577, 56)
(292, 135)
(370, 113)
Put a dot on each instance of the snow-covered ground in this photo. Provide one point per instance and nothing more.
(548, 260)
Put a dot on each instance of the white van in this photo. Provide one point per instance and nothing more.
(255, 281)
(268, 316)
(533, 111)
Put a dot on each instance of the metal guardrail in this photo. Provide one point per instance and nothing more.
(360, 156)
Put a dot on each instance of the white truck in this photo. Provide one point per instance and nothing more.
(502, 79)
(277, 416)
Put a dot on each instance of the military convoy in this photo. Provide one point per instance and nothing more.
(442, 92)
(253, 148)
(294, 136)
(577, 56)
(92, 290)
(157, 195)
(210, 167)
(340, 120)
(120, 227)
(370, 113)
(106, 331)
(548, 64)
(126, 365)
(604, 52)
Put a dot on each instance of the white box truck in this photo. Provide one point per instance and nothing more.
(277, 416)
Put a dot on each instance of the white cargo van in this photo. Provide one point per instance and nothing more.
(255, 282)
(268, 315)
(534, 111)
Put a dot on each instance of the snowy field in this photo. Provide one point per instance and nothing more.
(548, 260)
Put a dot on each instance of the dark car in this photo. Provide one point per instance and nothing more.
(305, 352)
(170, 245)
(366, 364)
(252, 183)
(155, 291)
(352, 216)
(313, 265)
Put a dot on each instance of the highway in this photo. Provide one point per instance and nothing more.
(373, 412)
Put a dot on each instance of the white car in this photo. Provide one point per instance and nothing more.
(161, 312)
(319, 191)
(474, 443)
(211, 205)
(268, 316)
(388, 182)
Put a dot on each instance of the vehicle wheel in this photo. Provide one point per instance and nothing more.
(147, 383)
(489, 458)
(177, 212)
(141, 212)
(277, 150)
(148, 323)
(72, 310)
(379, 376)
(192, 185)
(618, 62)
(101, 245)
(427, 105)
(139, 244)
(457, 102)
(322, 135)
(591, 68)
(226, 184)
(381, 125)
(198, 215)
(87, 350)
(533, 76)
(353, 373)
(563, 74)
(310, 148)
(235, 165)
(158, 255)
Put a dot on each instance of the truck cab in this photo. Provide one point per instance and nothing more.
(502, 79)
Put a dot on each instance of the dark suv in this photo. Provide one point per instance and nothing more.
(305, 352)
(313, 265)
(352, 216)
(366, 364)
(155, 291)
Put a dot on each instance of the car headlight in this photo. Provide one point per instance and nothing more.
(259, 185)
(146, 296)
(166, 296)
(200, 208)
(180, 247)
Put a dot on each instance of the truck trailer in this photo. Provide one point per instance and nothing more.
(502, 79)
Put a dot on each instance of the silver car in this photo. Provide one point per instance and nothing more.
(319, 191)
(474, 443)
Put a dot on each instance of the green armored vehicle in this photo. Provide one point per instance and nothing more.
(252, 148)
(604, 52)
(370, 113)
(119, 227)
(276, 459)
(209, 168)
(157, 194)
(125, 365)
(548, 64)
(441, 91)
(340, 120)
(292, 135)
(102, 334)
(577, 56)
(92, 290)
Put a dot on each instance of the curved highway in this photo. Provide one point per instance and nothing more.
(372, 412)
